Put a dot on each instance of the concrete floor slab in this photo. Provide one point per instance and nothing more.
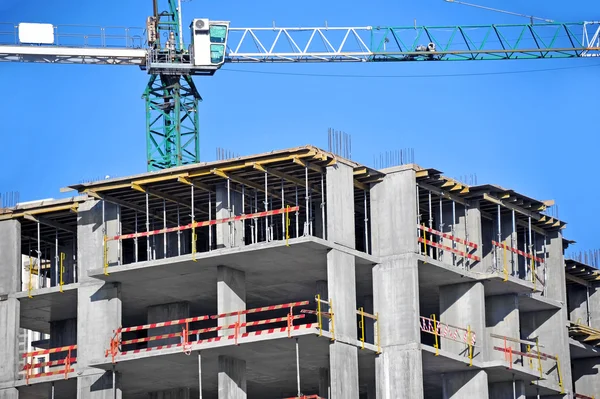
(46, 305)
(542, 388)
(275, 273)
(536, 303)
(271, 367)
(579, 350)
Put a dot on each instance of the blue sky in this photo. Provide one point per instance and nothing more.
(533, 132)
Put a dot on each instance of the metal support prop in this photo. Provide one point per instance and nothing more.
(39, 256)
(255, 232)
(266, 206)
(453, 229)
(114, 382)
(105, 239)
(298, 366)
(119, 232)
(148, 246)
(430, 222)
(425, 242)
(283, 216)
(531, 249)
(499, 216)
(193, 216)
(366, 224)
(52, 391)
(435, 334)
(30, 283)
(513, 241)
(306, 223)
(243, 212)
(61, 271)
(229, 224)
(466, 261)
(56, 258)
(164, 227)
(297, 214)
(505, 266)
(209, 218)
(287, 227)
(441, 251)
(323, 206)
(135, 240)
(178, 233)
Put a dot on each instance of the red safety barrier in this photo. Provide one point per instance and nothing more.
(305, 397)
(445, 248)
(448, 236)
(205, 223)
(517, 251)
(580, 396)
(116, 342)
(67, 362)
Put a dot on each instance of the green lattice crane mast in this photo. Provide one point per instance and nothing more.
(172, 125)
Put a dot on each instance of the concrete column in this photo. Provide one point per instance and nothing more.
(10, 257)
(9, 393)
(9, 338)
(340, 205)
(502, 318)
(63, 333)
(98, 303)
(10, 282)
(228, 234)
(343, 355)
(324, 383)
(466, 384)
(166, 312)
(585, 375)
(555, 262)
(463, 305)
(231, 297)
(504, 390)
(232, 378)
(546, 325)
(396, 299)
(578, 303)
(394, 214)
(594, 306)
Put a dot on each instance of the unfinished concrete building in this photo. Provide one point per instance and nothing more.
(294, 274)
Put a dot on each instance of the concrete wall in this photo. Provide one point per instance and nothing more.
(10, 257)
(10, 282)
(586, 374)
(340, 204)
(502, 318)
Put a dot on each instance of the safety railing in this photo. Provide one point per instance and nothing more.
(580, 396)
(530, 260)
(453, 333)
(32, 364)
(188, 337)
(321, 314)
(374, 320)
(195, 225)
(305, 397)
(531, 352)
(469, 246)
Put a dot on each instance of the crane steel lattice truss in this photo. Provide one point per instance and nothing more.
(172, 126)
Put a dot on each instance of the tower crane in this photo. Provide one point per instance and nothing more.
(171, 97)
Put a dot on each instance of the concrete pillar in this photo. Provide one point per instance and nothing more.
(177, 393)
(228, 234)
(396, 299)
(463, 305)
(166, 312)
(394, 214)
(502, 318)
(555, 262)
(594, 306)
(63, 333)
(340, 205)
(324, 383)
(578, 303)
(232, 378)
(546, 325)
(343, 355)
(10, 282)
(231, 297)
(9, 393)
(98, 303)
(585, 375)
(465, 384)
(504, 390)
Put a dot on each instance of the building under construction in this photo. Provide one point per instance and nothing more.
(294, 274)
